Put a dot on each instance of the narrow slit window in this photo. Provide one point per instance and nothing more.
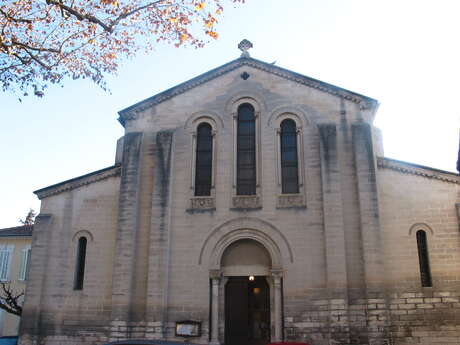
(80, 265)
(289, 160)
(203, 164)
(246, 151)
(422, 247)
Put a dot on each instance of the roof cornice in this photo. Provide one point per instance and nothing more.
(78, 181)
(17, 231)
(419, 170)
(130, 113)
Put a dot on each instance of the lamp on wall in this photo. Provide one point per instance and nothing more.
(251, 278)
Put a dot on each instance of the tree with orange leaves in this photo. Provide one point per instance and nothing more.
(42, 42)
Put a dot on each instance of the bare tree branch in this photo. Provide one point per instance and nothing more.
(28, 47)
(10, 300)
(16, 20)
(130, 13)
(79, 15)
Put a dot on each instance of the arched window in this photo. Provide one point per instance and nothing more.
(246, 151)
(422, 247)
(289, 158)
(203, 164)
(80, 265)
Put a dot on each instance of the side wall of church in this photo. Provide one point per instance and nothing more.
(54, 312)
(409, 203)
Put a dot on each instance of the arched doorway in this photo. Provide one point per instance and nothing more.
(216, 247)
(246, 264)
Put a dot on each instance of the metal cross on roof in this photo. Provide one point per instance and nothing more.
(244, 46)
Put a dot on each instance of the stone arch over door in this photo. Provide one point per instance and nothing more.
(259, 233)
(248, 228)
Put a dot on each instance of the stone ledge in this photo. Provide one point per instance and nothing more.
(199, 203)
(290, 201)
(246, 202)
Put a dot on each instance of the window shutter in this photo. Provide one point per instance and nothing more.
(24, 263)
(5, 262)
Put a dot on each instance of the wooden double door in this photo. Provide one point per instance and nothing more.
(247, 311)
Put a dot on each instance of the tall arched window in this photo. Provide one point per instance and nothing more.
(203, 167)
(422, 247)
(289, 158)
(80, 265)
(246, 151)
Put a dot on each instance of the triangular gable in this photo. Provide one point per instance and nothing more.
(364, 101)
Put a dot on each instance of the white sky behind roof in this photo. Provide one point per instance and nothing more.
(404, 53)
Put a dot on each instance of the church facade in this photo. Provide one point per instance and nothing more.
(248, 205)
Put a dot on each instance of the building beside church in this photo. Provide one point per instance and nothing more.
(248, 205)
(15, 243)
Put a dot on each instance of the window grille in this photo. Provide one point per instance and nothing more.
(289, 158)
(80, 265)
(203, 164)
(246, 151)
(422, 247)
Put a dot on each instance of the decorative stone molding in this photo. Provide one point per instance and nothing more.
(290, 200)
(212, 117)
(81, 233)
(276, 273)
(215, 274)
(245, 228)
(363, 101)
(246, 202)
(203, 203)
(284, 111)
(420, 226)
(419, 170)
(79, 181)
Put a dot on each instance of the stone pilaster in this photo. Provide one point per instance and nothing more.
(215, 276)
(334, 236)
(332, 209)
(144, 214)
(370, 226)
(124, 258)
(159, 258)
(368, 203)
(277, 290)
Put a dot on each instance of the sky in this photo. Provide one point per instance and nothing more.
(404, 53)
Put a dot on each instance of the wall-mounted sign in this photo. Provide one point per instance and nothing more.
(188, 328)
